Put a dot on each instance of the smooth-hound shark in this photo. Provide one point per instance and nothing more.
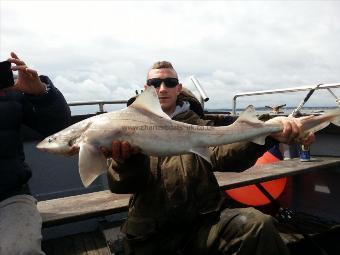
(144, 125)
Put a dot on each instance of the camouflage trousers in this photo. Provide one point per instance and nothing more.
(239, 231)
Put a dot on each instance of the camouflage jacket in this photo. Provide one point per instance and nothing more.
(175, 191)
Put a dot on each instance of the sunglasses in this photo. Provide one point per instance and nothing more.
(156, 82)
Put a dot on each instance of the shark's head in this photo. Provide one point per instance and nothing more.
(55, 144)
(66, 141)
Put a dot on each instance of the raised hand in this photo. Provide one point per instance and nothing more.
(28, 80)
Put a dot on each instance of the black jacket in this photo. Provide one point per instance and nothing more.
(47, 114)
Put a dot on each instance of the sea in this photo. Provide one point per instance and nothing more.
(283, 111)
(92, 109)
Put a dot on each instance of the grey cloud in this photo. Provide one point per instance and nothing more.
(231, 47)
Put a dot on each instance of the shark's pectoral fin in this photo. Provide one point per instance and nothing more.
(92, 163)
(203, 152)
(261, 140)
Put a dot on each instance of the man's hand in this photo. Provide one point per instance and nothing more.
(28, 80)
(120, 150)
(74, 150)
(291, 131)
(308, 140)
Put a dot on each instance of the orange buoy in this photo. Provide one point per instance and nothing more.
(251, 195)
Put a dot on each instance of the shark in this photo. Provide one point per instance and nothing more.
(144, 125)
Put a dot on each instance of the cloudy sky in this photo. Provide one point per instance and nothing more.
(101, 50)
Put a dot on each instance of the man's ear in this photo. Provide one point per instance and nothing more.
(145, 86)
(179, 88)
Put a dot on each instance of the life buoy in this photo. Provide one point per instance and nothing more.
(251, 195)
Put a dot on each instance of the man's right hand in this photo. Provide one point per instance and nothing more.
(120, 150)
(28, 80)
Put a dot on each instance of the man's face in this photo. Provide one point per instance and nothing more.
(167, 96)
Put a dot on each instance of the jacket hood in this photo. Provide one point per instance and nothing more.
(195, 105)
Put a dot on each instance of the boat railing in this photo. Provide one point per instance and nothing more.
(202, 97)
(98, 102)
(287, 90)
(202, 94)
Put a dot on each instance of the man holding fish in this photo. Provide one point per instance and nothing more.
(177, 207)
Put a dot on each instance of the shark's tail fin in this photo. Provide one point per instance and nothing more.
(336, 120)
(318, 127)
(332, 116)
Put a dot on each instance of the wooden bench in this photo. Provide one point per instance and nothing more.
(97, 204)
(273, 171)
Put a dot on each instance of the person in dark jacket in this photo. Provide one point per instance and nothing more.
(177, 206)
(35, 102)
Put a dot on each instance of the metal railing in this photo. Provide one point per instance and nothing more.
(203, 95)
(203, 98)
(285, 90)
(99, 103)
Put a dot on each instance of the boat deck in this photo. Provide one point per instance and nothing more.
(74, 208)
(100, 204)
(92, 243)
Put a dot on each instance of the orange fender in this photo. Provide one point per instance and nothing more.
(251, 195)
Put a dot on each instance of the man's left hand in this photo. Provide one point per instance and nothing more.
(291, 131)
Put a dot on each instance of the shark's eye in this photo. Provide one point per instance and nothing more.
(51, 139)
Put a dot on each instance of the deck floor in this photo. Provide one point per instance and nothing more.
(92, 243)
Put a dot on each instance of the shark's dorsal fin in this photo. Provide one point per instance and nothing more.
(149, 101)
(249, 114)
